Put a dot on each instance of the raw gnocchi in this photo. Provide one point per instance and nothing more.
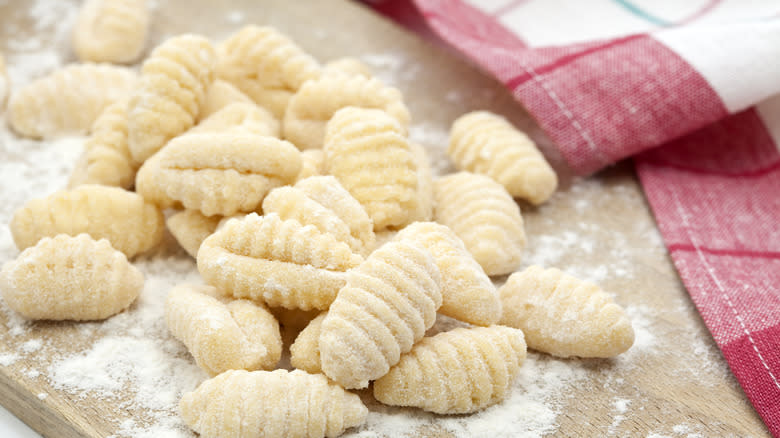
(282, 263)
(219, 95)
(455, 372)
(223, 336)
(388, 303)
(218, 173)
(111, 30)
(424, 208)
(174, 82)
(244, 115)
(365, 149)
(312, 163)
(68, 100)
(564, 316)
(123, 218)
(190, 228)
(271, 404)
(265, 65)
(486, 143)
(347, 66)
(70, 278)
(484, 216)
(106, 158)
(305, 351)
(467, 292)
(318, 100)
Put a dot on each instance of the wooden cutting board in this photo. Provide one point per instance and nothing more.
(673, 382)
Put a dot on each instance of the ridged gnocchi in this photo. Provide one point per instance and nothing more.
(218, 173)
(455, 372)
(243, 115)
(305, 351)
(174, 82)
(68, 100)
(111, 30)
(467, 292)
(424, 208)
(265, 65)
(106, 158)
(484, 216)
(219, 95)
(271, 404)
(564, 316)
(282, 263)
(70, 278)
(123, 218)
(347, 66)
(312, 163)
(318, 100)
(388, 303)
(220, 335)
(486, 143)
(365, 149)
(324, 203)
(190, 228)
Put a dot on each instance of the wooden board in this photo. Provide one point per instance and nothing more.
(674, 382)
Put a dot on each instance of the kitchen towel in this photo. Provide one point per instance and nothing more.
(690, 90)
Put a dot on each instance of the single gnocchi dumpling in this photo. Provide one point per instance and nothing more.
(111, 30)
(564, 316)
(219, 95)
(324, 203)
(121, 217)
(366, 150)
(467, 292)
(218, 173)
(265, 65)
(388, 303)
(456, 372)
(347, 66)
(318, 100)
(190, 228)
(5, 83)
(312, 163)
(271, 404)
(70, 278)
(106, 158)
(305, 351)
(242, 115)
(280, 262)
(68, 100)
(174, 82)
(484, 216)
(221, 334)
(486, 143)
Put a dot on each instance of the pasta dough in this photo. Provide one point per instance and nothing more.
(367, 152)
(485, 217)
(190, 228)
(280, 262)
(388, 303)
(271, 404)
(243, 115)
(75, 278)
(223, 336)
(123, 218)
(174, 81)
(467, 293)
(305, 351)
(68, 100)
(111, 30)
(219, 95)
(456, 372)
(317, 101)
(564, 316)
(485, 143)
(218, 173)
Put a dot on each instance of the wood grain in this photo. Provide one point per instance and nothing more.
(600, 228)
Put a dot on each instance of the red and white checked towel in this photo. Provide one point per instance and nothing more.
(687, 89)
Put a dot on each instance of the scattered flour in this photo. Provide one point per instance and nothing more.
(32, 345)
(8, 359)
(42, 396)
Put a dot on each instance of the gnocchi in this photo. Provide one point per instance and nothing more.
(68, 100)
(388, 303)
(347, 66)
(456, 372)
(486, 143)
(121, 217)
(280, 262)
(244, 115)
(564, 316)
(305, 351)
(271, 404)
(485, 217)
(174, 82)
(312, 163)
(111, 30)
(70, 278)
(223, 336)
(423, 211)
(190, 228)
(219, 95)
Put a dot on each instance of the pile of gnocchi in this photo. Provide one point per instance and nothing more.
(296, 188)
